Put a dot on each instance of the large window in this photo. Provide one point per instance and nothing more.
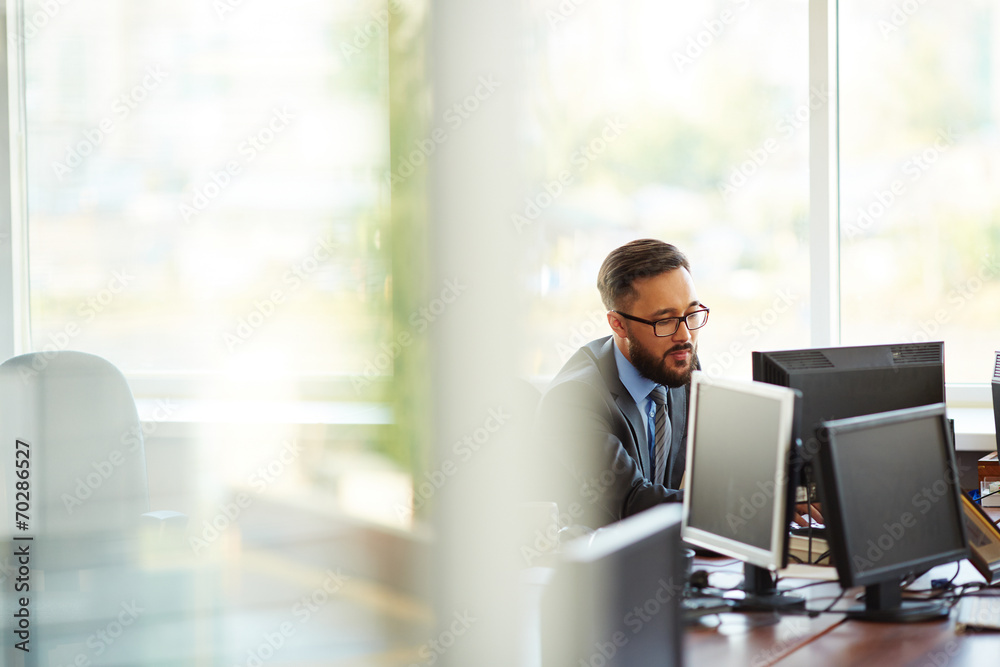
(920, 158)
(680, 121)
(205, 184)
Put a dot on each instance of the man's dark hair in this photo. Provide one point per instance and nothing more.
(642, 258)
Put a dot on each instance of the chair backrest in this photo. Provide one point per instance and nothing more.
(76, 413)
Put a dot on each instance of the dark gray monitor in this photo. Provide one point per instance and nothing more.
(848, 381)
(891, 502)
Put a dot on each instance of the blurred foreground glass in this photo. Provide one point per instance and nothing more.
(206, 186)
(208, 199)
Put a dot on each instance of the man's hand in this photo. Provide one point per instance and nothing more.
(804, 512)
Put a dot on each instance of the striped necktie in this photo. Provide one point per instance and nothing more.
(661, 434)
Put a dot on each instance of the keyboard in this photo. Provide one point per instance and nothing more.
(978, 612)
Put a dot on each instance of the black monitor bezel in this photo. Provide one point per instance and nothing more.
(834, 485)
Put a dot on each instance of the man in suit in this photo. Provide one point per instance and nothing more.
(615, 415)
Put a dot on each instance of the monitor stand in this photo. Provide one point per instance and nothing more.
(761, 594)
(884, 603)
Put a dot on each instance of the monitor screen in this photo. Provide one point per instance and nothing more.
(615, 597)
(840, 382)
(890, 495)
(739, 438)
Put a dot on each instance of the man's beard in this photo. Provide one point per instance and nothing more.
(663, 370)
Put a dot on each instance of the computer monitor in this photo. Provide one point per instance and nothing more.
(738, 500)
(891, 502)
(840, 382)
(615, 596)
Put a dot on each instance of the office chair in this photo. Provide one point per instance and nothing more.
(89, 505)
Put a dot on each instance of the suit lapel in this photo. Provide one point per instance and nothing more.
(628, 407)
(609, 371)
(678, 439)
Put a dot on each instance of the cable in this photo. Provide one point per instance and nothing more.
(799, 588)
(813, 614)
(940, 591)
(727, 563)
(987, 495)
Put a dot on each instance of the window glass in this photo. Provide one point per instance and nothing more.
(678, 121)
(920, 155)
(205, 183)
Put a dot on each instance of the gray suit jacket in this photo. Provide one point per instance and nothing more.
(590, 424)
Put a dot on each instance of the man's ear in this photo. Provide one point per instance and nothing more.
(617, 323)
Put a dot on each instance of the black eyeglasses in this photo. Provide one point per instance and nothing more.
(670, 325)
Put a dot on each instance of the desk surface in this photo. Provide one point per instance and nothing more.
(761, 639)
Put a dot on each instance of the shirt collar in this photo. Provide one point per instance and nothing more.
(638, 386)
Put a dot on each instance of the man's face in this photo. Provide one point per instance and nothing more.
(666, 360)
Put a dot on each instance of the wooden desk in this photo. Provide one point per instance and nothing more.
(760, 639)
(932, 644)
(830, 639)
(929, 644)
(757, 639)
